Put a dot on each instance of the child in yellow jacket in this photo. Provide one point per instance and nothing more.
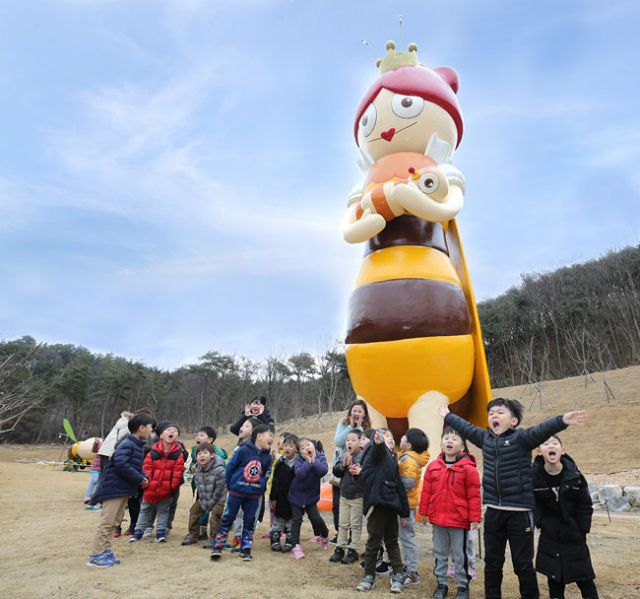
(412, 458)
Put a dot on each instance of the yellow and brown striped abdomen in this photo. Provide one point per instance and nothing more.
(408, 323)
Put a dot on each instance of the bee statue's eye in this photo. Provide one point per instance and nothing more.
(407, 107)
(428, 183)
(368, 120)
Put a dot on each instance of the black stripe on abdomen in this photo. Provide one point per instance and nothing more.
(405, 309)
(408, 230)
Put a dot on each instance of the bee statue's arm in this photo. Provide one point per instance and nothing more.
(360, 222)
(438, 197)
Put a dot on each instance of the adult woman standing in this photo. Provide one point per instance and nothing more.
(357, 419)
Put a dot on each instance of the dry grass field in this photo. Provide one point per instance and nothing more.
(46, 534)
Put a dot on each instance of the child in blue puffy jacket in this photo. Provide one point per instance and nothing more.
(309, 468)
(246, 478)
(121, 479)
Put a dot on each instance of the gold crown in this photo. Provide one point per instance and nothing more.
(394, 59)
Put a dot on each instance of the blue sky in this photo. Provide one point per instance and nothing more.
(172, 173)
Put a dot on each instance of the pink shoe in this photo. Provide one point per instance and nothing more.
(324, 543)
(315, 539)
(265, 535)
(472, 573)
(297, 552)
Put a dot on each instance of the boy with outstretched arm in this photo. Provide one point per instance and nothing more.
(209, 477)
(384, 500)
(246, 478)
(563, 515)
(508, 487)
(121, 479)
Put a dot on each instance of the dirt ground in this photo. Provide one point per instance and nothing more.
(46, 533)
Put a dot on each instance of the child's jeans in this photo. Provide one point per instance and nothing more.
(110, 518)
(195, 518)
(350, 522)
(382, 524)
(407, 535)
(237, 524)
(314, 517)
(516, 527)
(149, 510)
(249, 507)
(449, 539)
(95, 476)
(281, 524)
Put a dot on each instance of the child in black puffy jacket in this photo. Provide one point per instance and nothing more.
(384, 500)
(563, 514)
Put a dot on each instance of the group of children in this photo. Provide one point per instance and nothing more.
(379, 489)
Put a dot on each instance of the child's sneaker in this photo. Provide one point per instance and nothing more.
(472, 572)
(275, 541)
(137, 537)
(463, 593)
(161, 537)
(441, 591)
(315, 539)
(297, 552)
(337, 556)
(189, 540)
(411, 578)
(129, 531)
(235, 542)
(117, 532)
(216, 554)
(101, 561)
(286, 546)
(350, 558)
(93, 508)
(324, 543)
(368, 582)
(210, 544)
(384, 568)
(109, 553)
(397, 583)
(245, 555)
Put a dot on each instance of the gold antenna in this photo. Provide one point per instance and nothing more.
(366, 43)
(400, 20)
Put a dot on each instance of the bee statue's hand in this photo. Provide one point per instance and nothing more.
(357, 230)
(428, 195)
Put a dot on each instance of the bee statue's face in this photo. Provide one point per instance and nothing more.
(397, 122)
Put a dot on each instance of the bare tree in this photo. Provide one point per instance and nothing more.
(18, 395)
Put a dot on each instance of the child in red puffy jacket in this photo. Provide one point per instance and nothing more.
(164, 466)
(451, 500)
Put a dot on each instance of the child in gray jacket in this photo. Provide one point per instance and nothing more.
(211, 491)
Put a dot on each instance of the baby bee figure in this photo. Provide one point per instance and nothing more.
(413, 338)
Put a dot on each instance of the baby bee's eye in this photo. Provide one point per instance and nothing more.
(428, 183)
(368, 120)
(407, 107)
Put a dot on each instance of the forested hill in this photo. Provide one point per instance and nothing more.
(558, 324)
(553, 325)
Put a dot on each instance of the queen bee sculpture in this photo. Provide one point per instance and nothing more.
(413, 336)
